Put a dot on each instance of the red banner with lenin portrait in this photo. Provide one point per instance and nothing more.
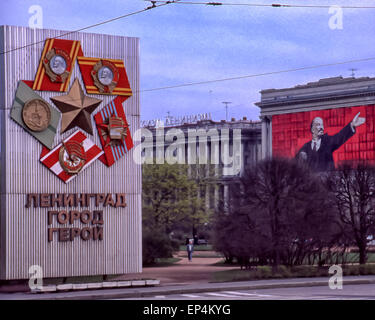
(326, 138)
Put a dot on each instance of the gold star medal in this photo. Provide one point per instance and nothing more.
(76, 108)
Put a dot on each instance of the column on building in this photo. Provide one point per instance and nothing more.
(266, 137)
(207, 171)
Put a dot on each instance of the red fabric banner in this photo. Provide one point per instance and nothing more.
(291, 131)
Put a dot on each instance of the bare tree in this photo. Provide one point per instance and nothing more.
(287, 204)
(354, 189)
(281, 214)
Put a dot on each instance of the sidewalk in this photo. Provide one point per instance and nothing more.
(183, 277)
(179, 289)
(199, 270)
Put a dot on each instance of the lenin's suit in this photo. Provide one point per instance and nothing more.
(322, 160)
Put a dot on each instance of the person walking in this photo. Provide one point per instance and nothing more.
(190, 249)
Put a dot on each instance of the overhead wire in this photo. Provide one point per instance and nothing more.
(93, 25)
(164, 3)
(274, 5)
(256, 75)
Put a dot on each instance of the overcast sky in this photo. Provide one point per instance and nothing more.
(192, 43)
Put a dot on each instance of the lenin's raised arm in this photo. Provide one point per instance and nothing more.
(337, 140)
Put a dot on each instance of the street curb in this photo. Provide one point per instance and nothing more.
(211, 288)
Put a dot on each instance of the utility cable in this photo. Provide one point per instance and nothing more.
(256, 75)
(94, 25)
(273, 5)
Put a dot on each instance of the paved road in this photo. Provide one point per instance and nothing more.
(349, 292)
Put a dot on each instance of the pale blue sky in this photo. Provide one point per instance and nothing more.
(191, 43)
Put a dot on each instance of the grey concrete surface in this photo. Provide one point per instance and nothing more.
(186, 289)
(348, 292)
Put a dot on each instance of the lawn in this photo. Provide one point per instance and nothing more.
(265, 272)
(351, 257)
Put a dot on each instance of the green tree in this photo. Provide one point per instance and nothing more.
(171, 197)
(171, 200)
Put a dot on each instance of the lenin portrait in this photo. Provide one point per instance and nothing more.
(318, 152)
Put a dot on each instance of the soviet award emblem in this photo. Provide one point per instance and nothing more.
(114, 131)
(72, 157)
(57, 63)
(36, 115)
(105, 76)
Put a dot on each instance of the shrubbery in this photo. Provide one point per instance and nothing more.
(157, 244)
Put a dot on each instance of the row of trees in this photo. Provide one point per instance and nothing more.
(282, 213)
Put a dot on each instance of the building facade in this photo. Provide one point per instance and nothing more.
(223, 149)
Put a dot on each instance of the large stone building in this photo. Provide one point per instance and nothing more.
(224, 148)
